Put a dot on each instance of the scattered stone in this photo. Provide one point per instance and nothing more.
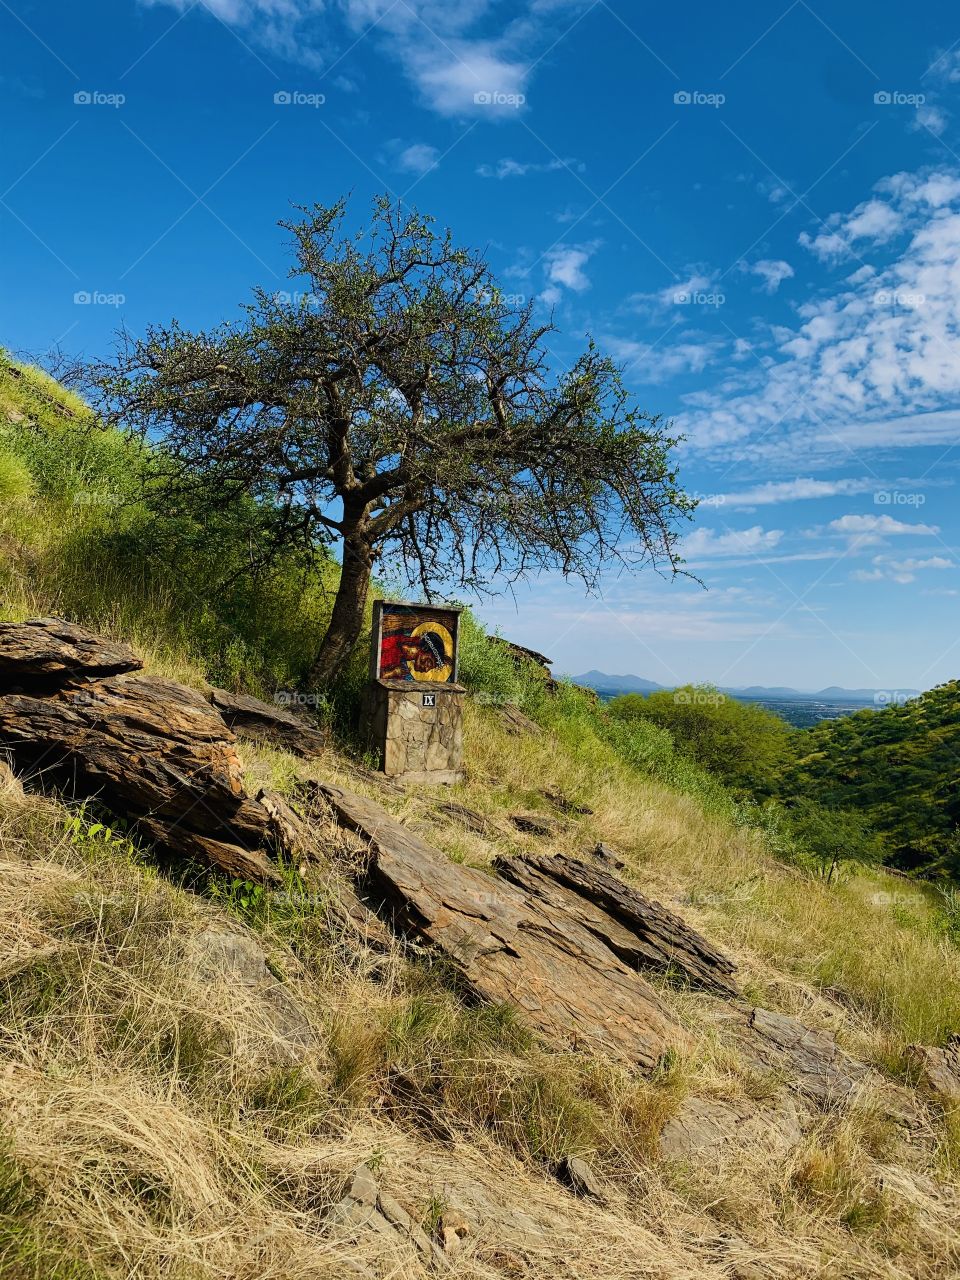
(565, 805)
(216, 955)
(575, 1173)
(518, 724)
(640, 932)
(812, 1061)
(938, 1070)
(535, 824)
(703, 1124)
(365, 1207)
(269, 723)
(509, 945)
(468, 818)
(452, 1231)
(607, 856)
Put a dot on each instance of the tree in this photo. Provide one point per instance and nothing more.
(742, 742)
(401, 407)
(832, 837)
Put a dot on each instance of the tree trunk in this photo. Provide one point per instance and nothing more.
(349, 609)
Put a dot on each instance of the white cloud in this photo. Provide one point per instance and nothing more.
(657, 362)
(772, 273)
(707, 543)
(775, 491)
(508, 168)
(866, 531)
(901, 571)
(874, 220)
(435, 42)
(420, 157)
(930, 117)
(872, 364)
(564, 269)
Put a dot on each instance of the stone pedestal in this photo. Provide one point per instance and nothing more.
(415, 728)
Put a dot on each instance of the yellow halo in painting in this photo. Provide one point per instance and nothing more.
(446, 639)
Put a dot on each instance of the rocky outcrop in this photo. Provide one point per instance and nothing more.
(150, 750)
(542, 942)
(49, 652)
(641, 932)
(273, 724)
(938, 1070)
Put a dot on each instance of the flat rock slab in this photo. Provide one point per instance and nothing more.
(811, 1061)
(50, 651)
(509, 945)
(265, 722)
(641, 932)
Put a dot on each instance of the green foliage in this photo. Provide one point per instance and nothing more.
(740, 742)
(16, 481)
(830, 838)
(898, 767)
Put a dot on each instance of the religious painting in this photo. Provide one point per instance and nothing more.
(415, 642)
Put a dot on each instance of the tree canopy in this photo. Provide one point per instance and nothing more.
(398, 408)
(741, 742)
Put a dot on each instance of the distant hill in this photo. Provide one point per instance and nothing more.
(604, 683)
(610, 684)
(899, 767)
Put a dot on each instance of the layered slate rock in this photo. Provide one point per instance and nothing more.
(48, 652)
(150, 750)
(641, 932)
(511, 944)
(273, 724)
(938, 1070)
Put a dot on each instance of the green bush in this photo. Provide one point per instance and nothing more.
(740, 742)
(830, 838)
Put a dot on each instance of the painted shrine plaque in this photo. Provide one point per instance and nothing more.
(415, 642)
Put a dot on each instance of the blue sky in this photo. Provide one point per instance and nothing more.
(756, 207)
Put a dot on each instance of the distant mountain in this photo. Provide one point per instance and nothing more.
(603, 683)
(609, 684)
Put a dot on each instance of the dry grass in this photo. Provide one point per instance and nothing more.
(153, 1124)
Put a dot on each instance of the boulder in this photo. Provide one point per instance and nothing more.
(535, 824)
(273, 724)
(575, 1173)
(150, 750)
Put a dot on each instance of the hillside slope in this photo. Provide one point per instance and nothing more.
(899, 767)
(194, 1070)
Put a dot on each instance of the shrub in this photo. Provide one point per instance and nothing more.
(741, 742)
